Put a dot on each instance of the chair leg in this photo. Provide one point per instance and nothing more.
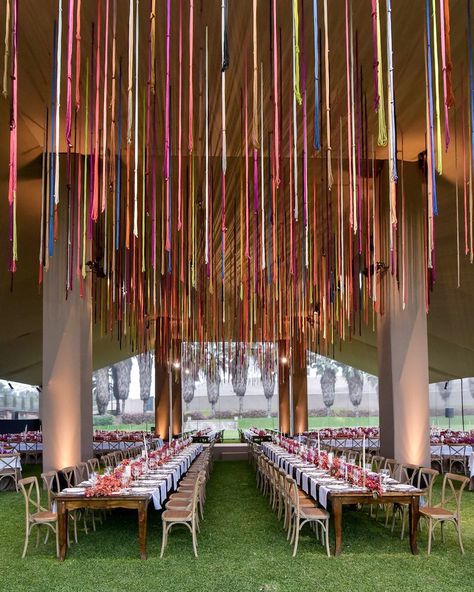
(458, 528)
(56, 532)
(430, 534)
(297, 533)
(442, 532)
(93, 520)
(27, 537)
(194, 541)
(289, 536)
(164, 539)
(326, 536)
(403, 523)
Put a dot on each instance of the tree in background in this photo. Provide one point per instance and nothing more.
(145, 363)
(239, 371)
(100, 385)
(444, 389)
(189, 373)
(328, 371)
(471, 386)
(268, 377)
(355, 383)
(121, 374)
(213, 381)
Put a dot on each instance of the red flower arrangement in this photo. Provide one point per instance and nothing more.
(106, 485)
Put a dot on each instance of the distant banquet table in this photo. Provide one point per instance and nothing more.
(207, 437)
(257, 436)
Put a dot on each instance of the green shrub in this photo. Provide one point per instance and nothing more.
(103, 420)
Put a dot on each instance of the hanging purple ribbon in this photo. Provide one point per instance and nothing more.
(226, 56)
(471, 75)
(432, 172)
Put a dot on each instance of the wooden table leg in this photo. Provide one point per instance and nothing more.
(62, 528)
(414, 514)
(337, 515)
(142, 526)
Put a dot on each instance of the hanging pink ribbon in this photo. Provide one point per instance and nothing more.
(78, 55)
(276, 117)
(190, 82)
(180, 108)
(167, 93)
(104, 109)
(447, 137)
(95, 192)
(13, 163)
(69, 74)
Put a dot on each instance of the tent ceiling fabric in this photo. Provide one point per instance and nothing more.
(450, 319)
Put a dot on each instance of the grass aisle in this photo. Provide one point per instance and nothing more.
(242, 548)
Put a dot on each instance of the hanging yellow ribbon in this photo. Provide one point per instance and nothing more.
(296, 50)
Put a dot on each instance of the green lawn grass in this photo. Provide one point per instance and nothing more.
(242, 548)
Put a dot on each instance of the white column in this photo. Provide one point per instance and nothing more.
(403, 343)
(66, 399)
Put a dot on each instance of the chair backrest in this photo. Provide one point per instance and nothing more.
(426, 479)
(82, 472)
(200, 481)
(9, 463)
(30, 490)
(451, 492)
(353, 457)
(281, 481)
(105, 460)
(69, 475)
(377, 462)
(457, 452)
(391, 465)
(51, 484)
(292, 492)
(94, 466)
(407, 473)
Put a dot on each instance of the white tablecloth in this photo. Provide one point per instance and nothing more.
(444, 449)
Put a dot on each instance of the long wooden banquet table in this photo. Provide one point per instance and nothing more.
(325, 491)
(154, 485)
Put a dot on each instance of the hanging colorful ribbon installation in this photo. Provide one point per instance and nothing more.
(249, 234)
